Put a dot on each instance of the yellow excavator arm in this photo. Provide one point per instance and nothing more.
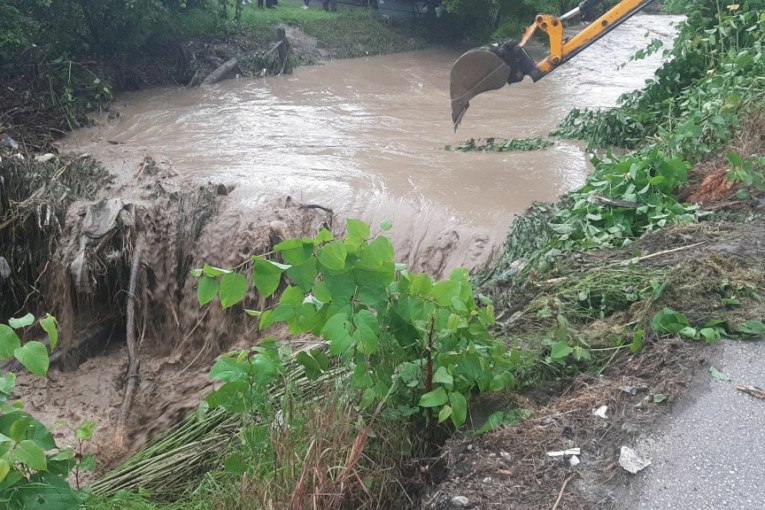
(490, 68)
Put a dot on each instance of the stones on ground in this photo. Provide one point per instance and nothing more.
(5, 268)
(460, 501)
(631, 461)
(633, 390)
(44, 158)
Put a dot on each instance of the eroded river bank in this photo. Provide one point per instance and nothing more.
(363, 138)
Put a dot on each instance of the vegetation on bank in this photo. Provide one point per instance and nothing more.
(338, 424)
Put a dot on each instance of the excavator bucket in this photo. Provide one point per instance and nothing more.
(475, 72)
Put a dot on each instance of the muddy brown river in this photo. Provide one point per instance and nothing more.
(366, 138)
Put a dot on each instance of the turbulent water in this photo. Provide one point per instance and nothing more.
(366, 138)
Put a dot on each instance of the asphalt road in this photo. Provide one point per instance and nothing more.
(709, 452)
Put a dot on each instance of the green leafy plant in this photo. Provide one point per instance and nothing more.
(624, 198)
(421, 346)
(749, 172)
(33, 468)
(668, 321)
(692, 105)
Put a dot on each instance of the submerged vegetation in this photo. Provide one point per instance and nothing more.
(501, 145)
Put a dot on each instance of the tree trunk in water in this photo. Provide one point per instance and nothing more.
(221, 72)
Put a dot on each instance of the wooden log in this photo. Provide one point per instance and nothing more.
(221, 72)
(133, 362)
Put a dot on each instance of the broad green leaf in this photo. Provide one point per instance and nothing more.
(4, 469)
(266, 276)
(86, 430)
(232, 396)
(332, 256)
(22, 322)
(435, 398)
(689, 332)
(321, 292)
(214, 272)
(321, 357)
(7, 383)
(337, 331)
(367, 331)
(361, 376)
(494, 421)
(459, 274)
(289, 244)
(444, 291)
(710, 334)
(207, 288)
(292, 296)
(358, 230)
(386, 225)
(422, 284)
(235, 465)
(264, 370)
(669, 321)
(305, 274)
(296, 251)
(34, 356)
(459, 408)
(19, 427)
(49, 324)
(88, 463)
(751, 327)
(233, 287)
(312, 369)
(444, 413)
(324, 236)
(230, 370)
(453, 322)
(377, 257)
(340, 345)
(560, 350)
(31, 455)
(9, 341)
(442, 376)
(196, 273)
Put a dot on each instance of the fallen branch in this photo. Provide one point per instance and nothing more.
(563, 488)
(752, 390)
(657, 254)
(613, 202)
(220, 72)
(133, 362)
